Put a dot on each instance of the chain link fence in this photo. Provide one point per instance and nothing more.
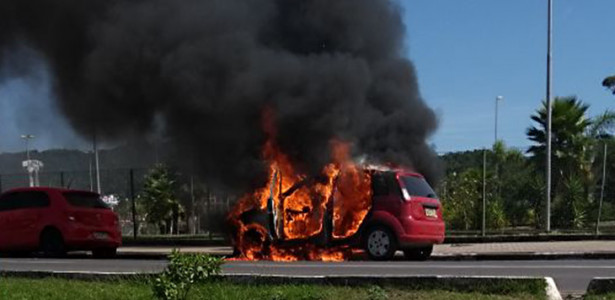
(205, 208)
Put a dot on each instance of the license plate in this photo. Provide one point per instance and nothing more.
(431, 212)
(101, 235)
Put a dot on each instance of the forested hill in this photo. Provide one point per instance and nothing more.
(457, 162)
(144, 156)
(140, 156)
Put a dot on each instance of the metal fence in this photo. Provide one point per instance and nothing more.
(204, 210)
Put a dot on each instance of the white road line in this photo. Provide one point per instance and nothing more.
(415, 266)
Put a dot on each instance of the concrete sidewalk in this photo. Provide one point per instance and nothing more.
(521, 250)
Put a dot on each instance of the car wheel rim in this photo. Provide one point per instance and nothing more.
(378, 243)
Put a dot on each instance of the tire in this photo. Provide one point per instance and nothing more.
(419, 254)
(104, 252)
(15, 254)
(380, 243)
(52, 243)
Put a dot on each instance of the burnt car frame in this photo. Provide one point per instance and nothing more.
(405, 214)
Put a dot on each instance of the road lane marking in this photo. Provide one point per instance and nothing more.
(371, 266)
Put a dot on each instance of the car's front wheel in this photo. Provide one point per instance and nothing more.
(52, 243)
(421, 254)
(380, 243)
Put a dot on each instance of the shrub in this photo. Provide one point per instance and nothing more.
(184, 270)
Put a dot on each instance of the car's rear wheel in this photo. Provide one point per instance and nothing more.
(421, 254)
(380, 243)
(19, 254)
(52, 243)
(104, 252)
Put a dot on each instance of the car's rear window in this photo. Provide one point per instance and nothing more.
(417, 186)
(23, 200)
(88, 200)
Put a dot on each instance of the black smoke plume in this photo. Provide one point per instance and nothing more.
(208, 68)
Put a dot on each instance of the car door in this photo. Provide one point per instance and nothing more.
(3, 219)
(8, 236)
(385, 198)
(23, 211)
(32, 207)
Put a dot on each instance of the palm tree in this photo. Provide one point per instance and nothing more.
(576, 141)
(571, 150)
(609, 83)
(569, 142)
(602, 125)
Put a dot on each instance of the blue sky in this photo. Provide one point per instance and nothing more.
(466, 53)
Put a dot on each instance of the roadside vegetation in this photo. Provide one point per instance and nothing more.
(514, 179)
(193, 276)
(56, 289)
(610, 296)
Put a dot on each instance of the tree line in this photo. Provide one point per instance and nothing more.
(514, 181)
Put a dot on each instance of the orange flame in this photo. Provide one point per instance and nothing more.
(344, 191)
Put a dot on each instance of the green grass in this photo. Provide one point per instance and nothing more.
(609, 296)
(600, 297)
(50, 288)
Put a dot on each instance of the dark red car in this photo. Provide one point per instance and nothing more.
(54, 221)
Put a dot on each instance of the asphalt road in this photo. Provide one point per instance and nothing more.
(571, 276)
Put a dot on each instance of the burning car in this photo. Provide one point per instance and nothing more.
(325, 217)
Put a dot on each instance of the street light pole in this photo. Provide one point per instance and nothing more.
(28, 164)
(497, 101)
(549, 112)
(601, 189)
(484, 217)
(96, 164)
(27, 138)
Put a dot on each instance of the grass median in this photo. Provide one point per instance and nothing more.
(54, 288)
(609, 296)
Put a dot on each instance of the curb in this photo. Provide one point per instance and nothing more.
(175, 242)
(458, 239)
(551, 290)
(80, 275)
(523, 256)
(492, 284)
(470, 239)
(434, 257)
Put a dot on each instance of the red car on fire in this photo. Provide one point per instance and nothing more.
(404, 214)
(54, 221)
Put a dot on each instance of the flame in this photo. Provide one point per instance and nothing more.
(302, 203)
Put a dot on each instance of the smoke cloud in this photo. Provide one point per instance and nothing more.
(208, 69)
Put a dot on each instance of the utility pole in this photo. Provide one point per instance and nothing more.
(27, 138)
(28, 164)
(96, 163)
(549, 112)
(135, 226)
(484, 227)
(193, 210)
(90, 173)
(497, 102)
(601, 190)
